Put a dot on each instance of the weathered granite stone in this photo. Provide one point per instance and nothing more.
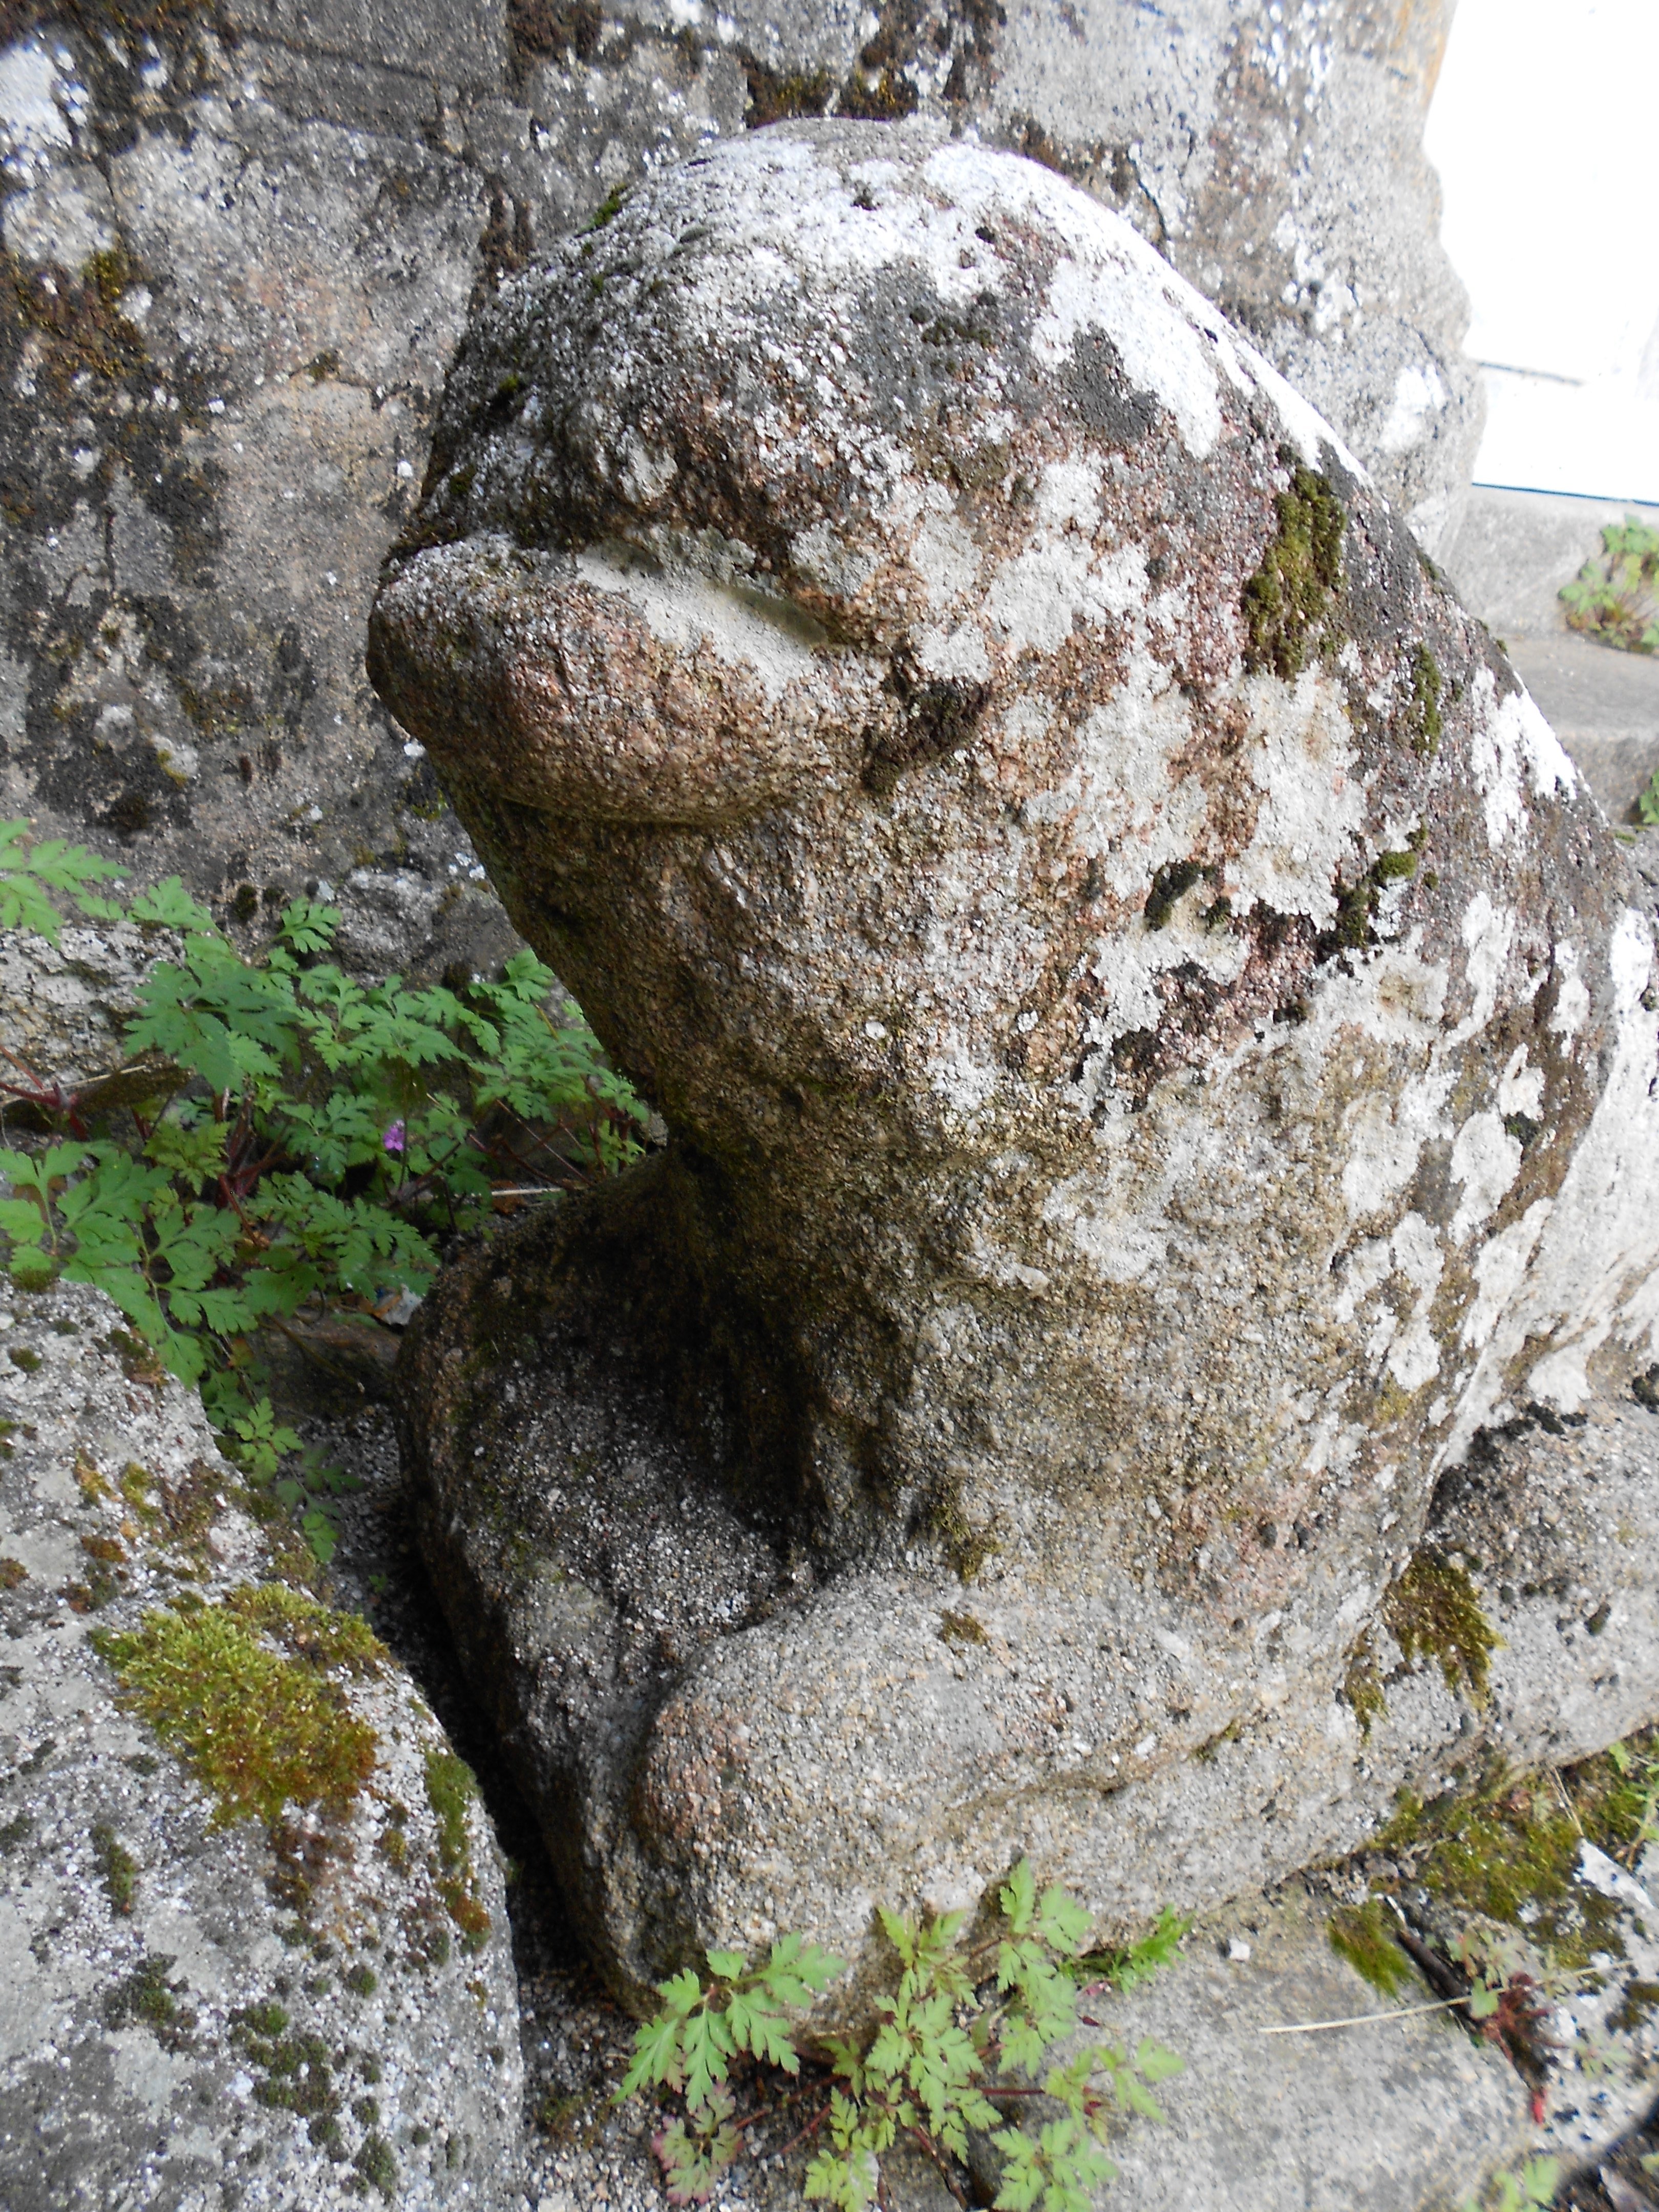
(241, 240)
(222, 324)
(1387, 2114)
(1273, 153)
(64, 1004)
(1160, 1045)
(314, 2006)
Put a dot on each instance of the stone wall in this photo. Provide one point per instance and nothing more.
(241, 243)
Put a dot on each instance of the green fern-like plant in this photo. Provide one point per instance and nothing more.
(1534, 2186)
(31, 871)
(1615, 598)
(283, 1137)
(962, 2039)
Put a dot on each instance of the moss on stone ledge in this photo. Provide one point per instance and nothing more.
(450, 1788)
(259, 1729)
(1434, 1612)
(1287, 602)
(1506, 1848)
(1364, 1935)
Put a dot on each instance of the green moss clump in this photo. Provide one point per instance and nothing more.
(147, 1999)
(1286, 603)
(960, 1628)
(377, 2165)
(1507, 1848)
(1636, 2008)
(310, 1630)
(450, 1788)
(1433, 1612)
(774, 96)
(299, 2077)
(12, 1572)
(1357, 906)
(117, 1870)
(889, 98)
(258, 1728)
(1364, 1935)
(469, 1915)
(1390, 867)
(1425, 702)
(137, 1484)
(1362, 1686)
(966, 1548)
(609, 208)
(20, 1356)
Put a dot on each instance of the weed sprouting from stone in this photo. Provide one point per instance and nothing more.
(1615, 598)
(925, 2073)
(380, 1119)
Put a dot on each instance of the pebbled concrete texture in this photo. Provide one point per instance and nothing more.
(144, 1942)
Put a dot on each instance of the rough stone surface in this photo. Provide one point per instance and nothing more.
(1274, 154)
(228, 305)
(1395, 2118)
(1158, 1039)
(1513, 552)
(240, 243)
(1405, 2115)
(63, 1005)
(144, 1940)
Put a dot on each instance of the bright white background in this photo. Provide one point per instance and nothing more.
(1544, 127)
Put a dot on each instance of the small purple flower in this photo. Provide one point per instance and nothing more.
(394, 1138)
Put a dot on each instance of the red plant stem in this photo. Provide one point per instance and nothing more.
(228, 1197)
(945, 2172)
(806, 2134)
(57, 1089)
